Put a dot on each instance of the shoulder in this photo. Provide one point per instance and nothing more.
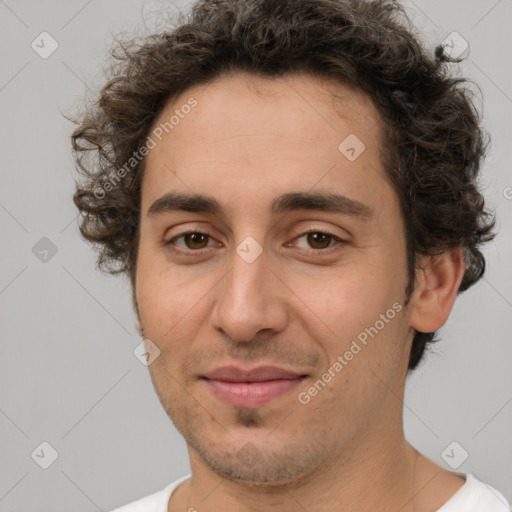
(476, 496)
(156, 502)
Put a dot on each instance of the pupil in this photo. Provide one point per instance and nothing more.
(195, 236)
(315, 237)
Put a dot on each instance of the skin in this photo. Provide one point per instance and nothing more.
(247, 141)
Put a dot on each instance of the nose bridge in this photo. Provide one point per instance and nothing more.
(245, 303)
(243, 290)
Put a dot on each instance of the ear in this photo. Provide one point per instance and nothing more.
(437, 283)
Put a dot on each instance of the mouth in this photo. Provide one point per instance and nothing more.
(251, 388)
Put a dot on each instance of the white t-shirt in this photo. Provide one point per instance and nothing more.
(473, 496)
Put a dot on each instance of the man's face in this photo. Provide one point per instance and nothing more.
(252, 288)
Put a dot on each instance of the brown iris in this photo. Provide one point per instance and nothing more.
(195, 238)
(318, 237)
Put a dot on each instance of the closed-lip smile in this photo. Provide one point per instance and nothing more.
(251, 388)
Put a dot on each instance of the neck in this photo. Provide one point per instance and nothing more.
(378, 471)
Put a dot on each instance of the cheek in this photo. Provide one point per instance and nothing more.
(171, 300)
(360, 328)
(164, 305)
(349, 298)
(359, 316)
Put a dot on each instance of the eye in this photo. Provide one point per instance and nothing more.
(197, 241)
(320, 241)
(194, 241)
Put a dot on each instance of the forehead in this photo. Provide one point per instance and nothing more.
(249, 134)
(300, 105)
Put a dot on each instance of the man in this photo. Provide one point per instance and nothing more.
(290, 186)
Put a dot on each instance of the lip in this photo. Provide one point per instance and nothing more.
(251, 388)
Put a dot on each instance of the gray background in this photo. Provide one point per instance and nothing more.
(68, 373)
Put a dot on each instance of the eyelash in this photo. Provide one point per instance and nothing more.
(309, 252)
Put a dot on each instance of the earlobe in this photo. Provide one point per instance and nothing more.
(436, 288)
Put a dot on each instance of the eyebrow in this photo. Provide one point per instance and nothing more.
(292, 201)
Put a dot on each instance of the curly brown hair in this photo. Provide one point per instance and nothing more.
(434, 144)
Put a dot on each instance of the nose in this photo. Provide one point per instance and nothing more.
(250, 298)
